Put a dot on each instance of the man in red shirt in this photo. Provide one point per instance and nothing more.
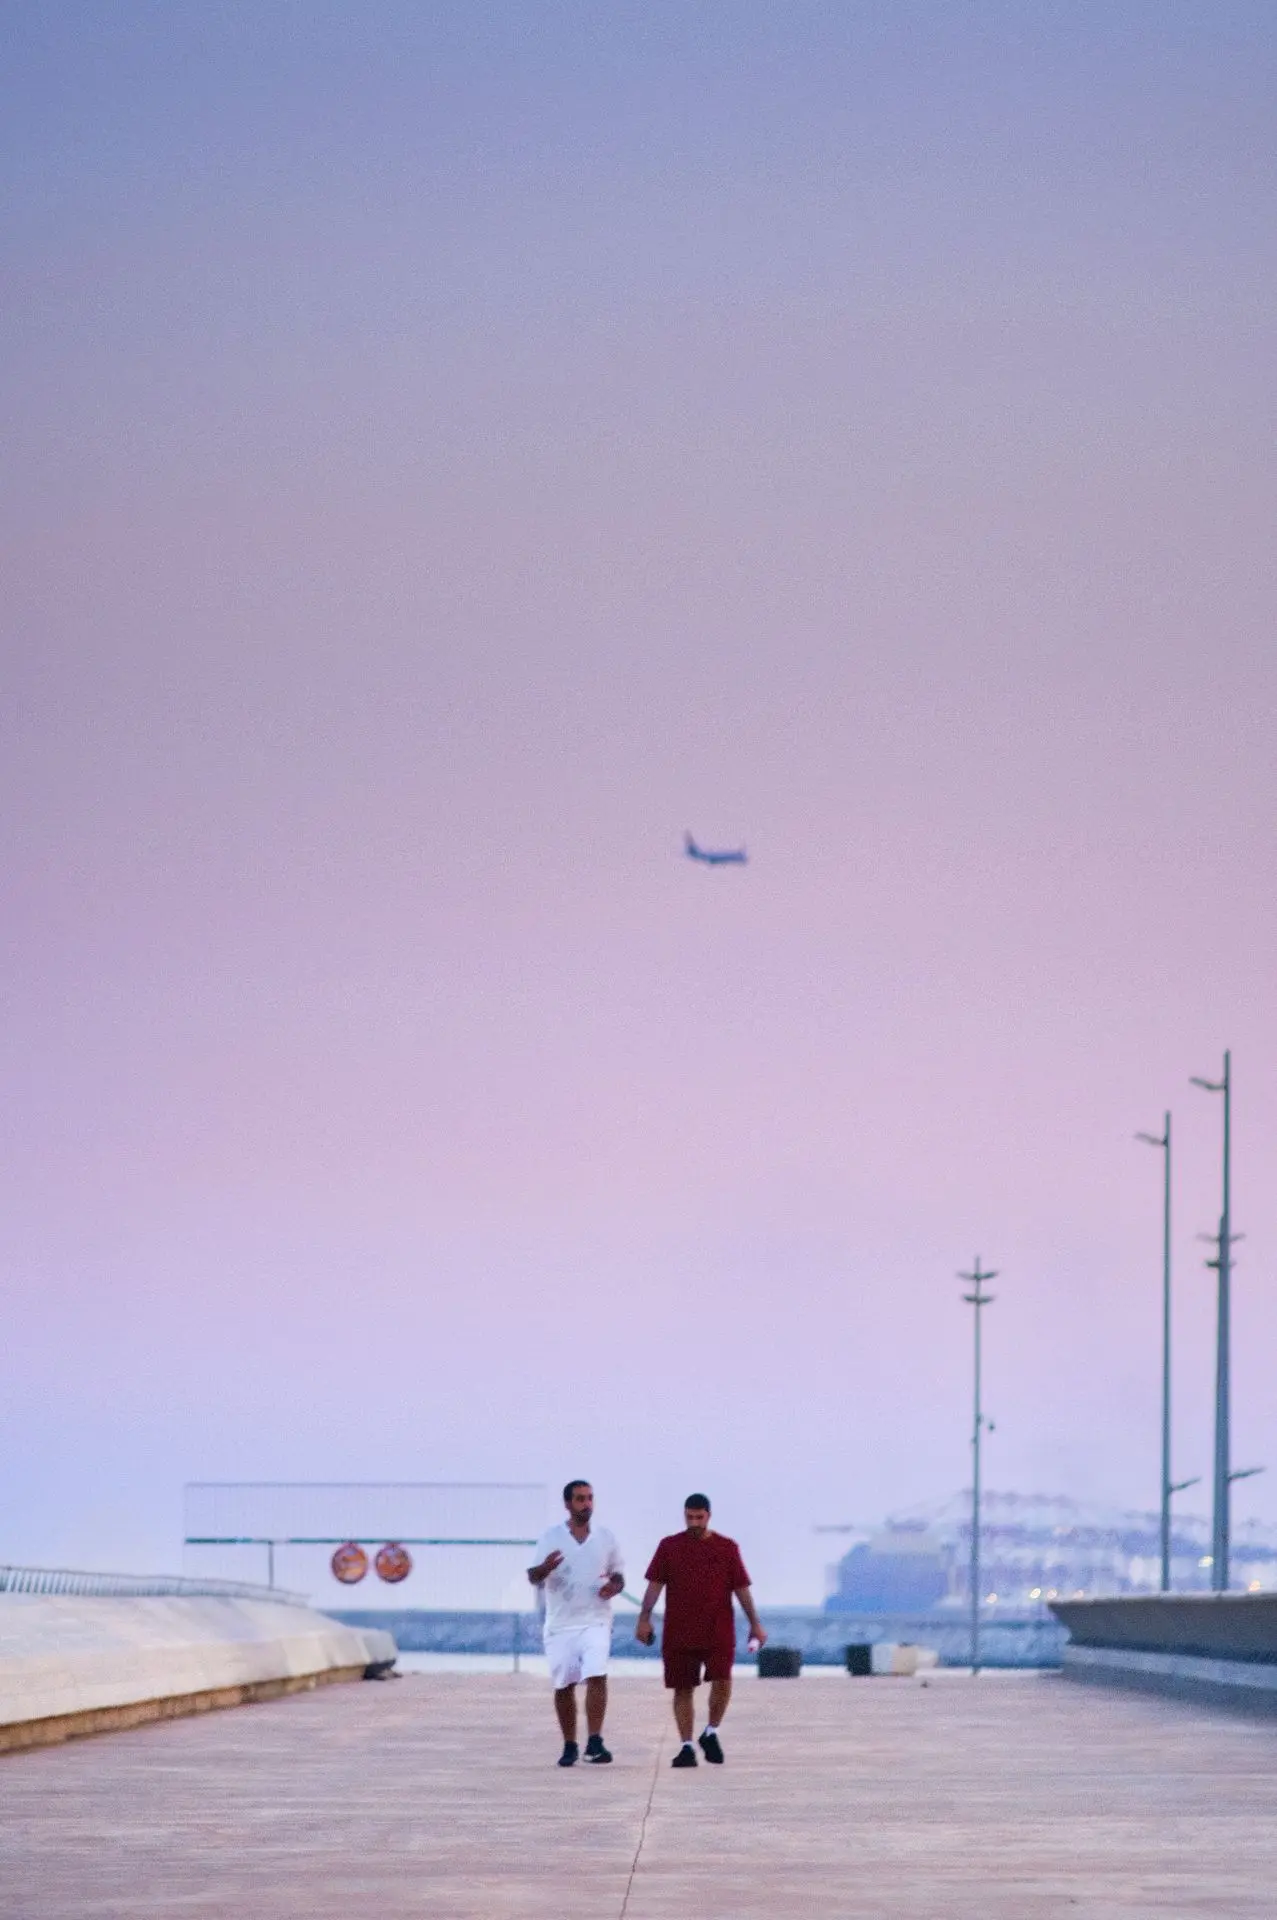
(700, 1571)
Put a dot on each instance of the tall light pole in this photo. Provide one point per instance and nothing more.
(1163, 1140)
(1224, 1268)
(978, 1299)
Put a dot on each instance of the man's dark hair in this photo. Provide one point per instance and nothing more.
(698, 1500)
(571, 1488)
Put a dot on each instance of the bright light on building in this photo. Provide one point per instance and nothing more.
(1207, 1560)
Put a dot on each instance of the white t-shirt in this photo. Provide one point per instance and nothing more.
(571, 1592)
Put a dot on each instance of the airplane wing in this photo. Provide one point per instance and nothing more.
(721, 857)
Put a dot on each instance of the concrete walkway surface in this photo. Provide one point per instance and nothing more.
(1006, 1798)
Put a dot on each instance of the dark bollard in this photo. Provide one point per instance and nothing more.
(860, 1661)
(779, 1663)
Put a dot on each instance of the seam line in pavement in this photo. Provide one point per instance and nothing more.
(651, 1794)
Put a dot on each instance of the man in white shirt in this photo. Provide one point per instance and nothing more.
(578, 1572)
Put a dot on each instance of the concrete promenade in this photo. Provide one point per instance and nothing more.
(1010, 1798)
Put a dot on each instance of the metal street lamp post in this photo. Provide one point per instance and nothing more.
(1163, 1140)
(978, 1299)
(1223, 1266)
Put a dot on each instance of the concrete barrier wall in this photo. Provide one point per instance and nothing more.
(1212, 1647)
(1184, 1676)
(80, 1665)
(1222, 1626)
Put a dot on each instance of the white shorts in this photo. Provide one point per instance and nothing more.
(578, 1653)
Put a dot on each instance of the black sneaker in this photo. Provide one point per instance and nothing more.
(685, 1757)
(709, 1746)
(570, 1755)
(595, 1750)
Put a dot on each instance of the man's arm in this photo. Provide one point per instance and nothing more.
(757, 1631)
(615, 1582)
(643, 1629)
(542, 1572)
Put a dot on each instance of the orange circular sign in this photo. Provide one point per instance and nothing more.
(349, 1563)
(393, 1562)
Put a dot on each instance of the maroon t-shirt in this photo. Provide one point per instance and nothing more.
(700, 1577)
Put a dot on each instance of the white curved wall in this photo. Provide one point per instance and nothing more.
(63, 1655)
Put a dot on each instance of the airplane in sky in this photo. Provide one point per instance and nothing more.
(728, 857)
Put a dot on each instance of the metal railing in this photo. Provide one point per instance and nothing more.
(66, 1580)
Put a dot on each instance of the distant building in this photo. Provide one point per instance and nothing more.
(904, 1568)
(1033, 1548)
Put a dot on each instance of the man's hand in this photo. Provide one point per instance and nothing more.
(644, 1631)
(537, 1574)
(613, 1585)
(758, 1636)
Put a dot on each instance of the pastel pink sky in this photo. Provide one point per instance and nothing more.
(445, 457)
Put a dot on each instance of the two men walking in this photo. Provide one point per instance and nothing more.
(579, 1569)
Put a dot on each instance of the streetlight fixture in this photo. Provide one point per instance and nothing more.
(1223, 1265)
(977, 1298)
(1182, 1486)
(1163, 1140)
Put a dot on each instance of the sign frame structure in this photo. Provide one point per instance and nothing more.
(275, 1493)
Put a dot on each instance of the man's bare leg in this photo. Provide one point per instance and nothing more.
(565, 1707)
(684, 1711)
(720, 1695)
(595, 1703)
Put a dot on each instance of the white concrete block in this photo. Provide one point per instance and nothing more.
(900, 1659)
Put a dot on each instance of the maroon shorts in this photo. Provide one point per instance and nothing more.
(683, 1670)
